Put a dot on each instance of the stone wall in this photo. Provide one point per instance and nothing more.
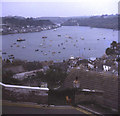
(96, 81)
(25, 95)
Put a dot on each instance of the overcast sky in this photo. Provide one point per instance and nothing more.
(61, 8)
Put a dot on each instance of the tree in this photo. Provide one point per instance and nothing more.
(32, 65)
(8, 79)
(110, 51)
(114, 44)
(8, 61)
(54, 77)
(118, 59)
(40, 77)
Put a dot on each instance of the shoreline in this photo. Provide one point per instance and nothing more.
(114, 29)
(95, 27)
(29, 32)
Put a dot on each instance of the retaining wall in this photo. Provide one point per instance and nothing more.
(25, 95)
(96, 81)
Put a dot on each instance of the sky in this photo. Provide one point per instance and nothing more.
(61, 8)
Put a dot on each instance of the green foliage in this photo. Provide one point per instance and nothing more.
(17, 62)
(55, 76)
(41, 76)
(19, 22)
(32, 65)
(114, 44)
(110, 51)
(38, 78)
(118, 60)
(8, 79)
(114, 49)
(94, 21)
(8, 61)
(27, 65)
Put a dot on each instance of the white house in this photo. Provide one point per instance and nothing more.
(90, 65)
(92, 59)
(23, 75)
(78, 67)
(72, 58)
(116, 63)
(43, 85)
(106, 68)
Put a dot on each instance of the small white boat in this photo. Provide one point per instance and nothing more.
(41, 44)
(54, 29)
(72, 58)
(44, 53)
(82, 38)
(66, 36)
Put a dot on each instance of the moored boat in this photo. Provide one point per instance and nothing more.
(37, 50)
(59, 35)
(44, 37)
(82, 38)
(54, 29)
(20, 39)
(23, 47)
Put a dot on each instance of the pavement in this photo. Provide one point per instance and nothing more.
(32, 108)
(90, 110)
(9, 107)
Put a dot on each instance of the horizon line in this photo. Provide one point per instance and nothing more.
(58, 16)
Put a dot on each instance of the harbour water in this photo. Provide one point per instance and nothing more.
(60, 44)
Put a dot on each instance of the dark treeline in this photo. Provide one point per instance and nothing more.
(17, 21)
(104, 21)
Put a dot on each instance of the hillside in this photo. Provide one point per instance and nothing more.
(104, 21)
(55, 20)
(16, 24)
(21, 21)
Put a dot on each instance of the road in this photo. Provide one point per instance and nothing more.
(21, 108)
